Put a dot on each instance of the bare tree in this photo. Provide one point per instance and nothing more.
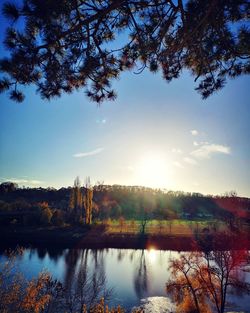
(201, 280)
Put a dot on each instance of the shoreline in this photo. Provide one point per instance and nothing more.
(96, 238)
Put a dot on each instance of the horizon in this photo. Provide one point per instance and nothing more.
(228, 193)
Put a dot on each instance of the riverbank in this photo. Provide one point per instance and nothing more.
(97, 238)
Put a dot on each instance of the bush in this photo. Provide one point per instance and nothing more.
(45, 213)
(57, 218)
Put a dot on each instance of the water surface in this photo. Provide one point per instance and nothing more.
(133, 274)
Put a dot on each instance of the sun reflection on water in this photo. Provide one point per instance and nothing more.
(152, 254)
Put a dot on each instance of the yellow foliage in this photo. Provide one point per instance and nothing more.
(35, 298)
(101, 308)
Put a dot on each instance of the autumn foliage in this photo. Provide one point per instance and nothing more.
(43, 294)
(201, 280)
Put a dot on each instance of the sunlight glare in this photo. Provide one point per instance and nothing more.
(152, 171)
(152, 255)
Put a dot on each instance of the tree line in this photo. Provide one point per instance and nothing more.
(85, 204)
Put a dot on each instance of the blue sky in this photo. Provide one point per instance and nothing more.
(155, 134)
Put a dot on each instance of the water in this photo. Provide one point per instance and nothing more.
(133, 274)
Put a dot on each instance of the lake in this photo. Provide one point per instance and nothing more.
(132, 274)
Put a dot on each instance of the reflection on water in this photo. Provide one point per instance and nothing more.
(84, 285)
(89, 274)
(141, 276)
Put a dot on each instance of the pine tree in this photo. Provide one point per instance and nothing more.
(66, 45)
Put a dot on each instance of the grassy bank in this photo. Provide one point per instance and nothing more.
(172, 227)
(99, 236)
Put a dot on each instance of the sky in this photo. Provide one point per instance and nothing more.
(154, 134)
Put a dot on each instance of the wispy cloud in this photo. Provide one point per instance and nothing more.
(196, 143)
(176, 150)
(88, 153)
(194, 132)
(101, 121)
(207, 150)
(23, 181)
(35, 182)
(190, 161)
(178, 164)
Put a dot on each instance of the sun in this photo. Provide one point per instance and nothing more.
(152, 171)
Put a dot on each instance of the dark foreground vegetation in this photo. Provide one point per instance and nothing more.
(65, 46)
(45, 294)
